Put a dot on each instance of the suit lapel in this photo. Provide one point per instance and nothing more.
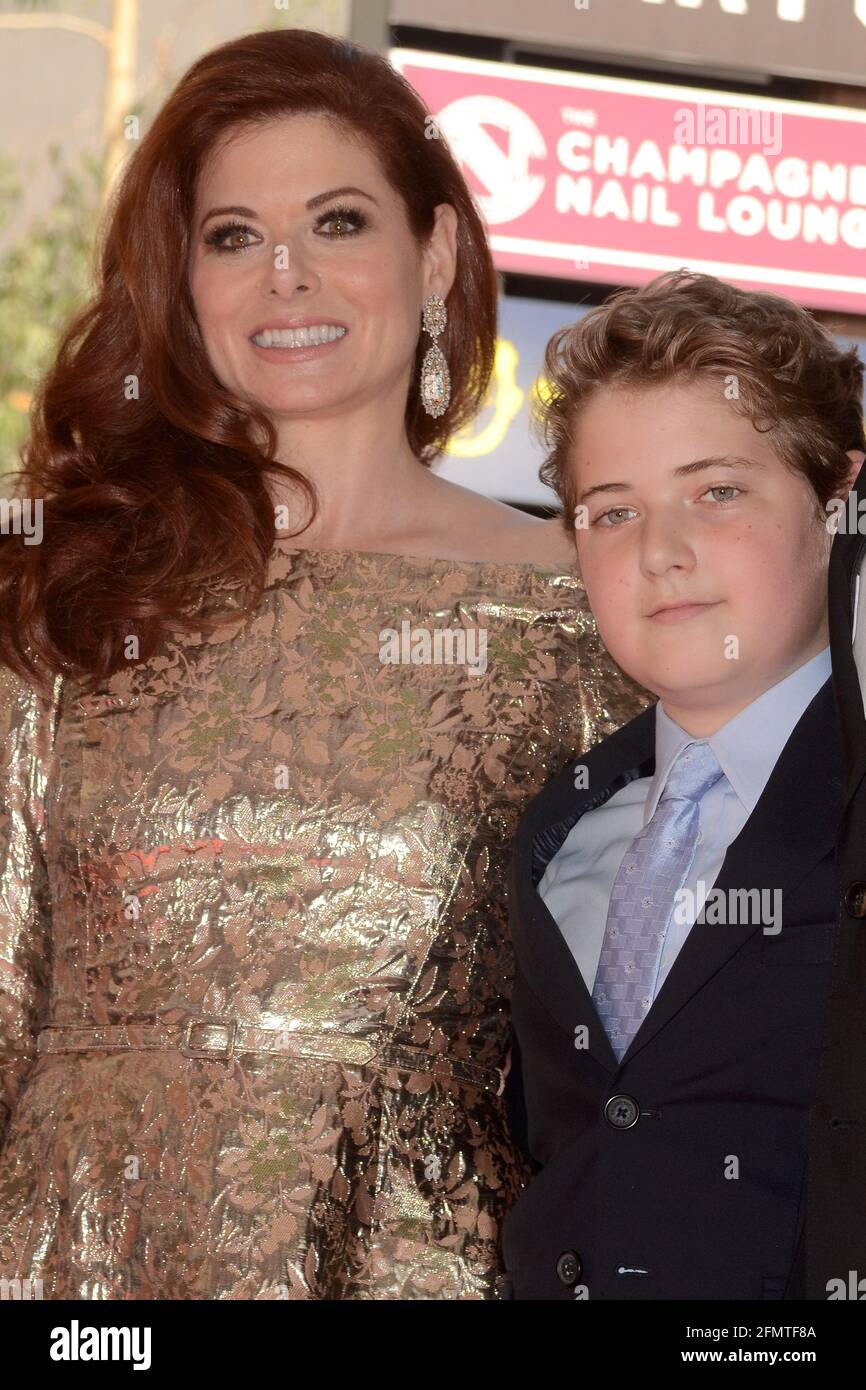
(779, 844)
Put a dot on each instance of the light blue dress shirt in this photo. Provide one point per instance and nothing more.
(577, 883)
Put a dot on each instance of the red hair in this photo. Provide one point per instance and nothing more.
(149, 500)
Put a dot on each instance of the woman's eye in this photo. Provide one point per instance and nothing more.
(216, 238)
(348, 220)
(724, 487)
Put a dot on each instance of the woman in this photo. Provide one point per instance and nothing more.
(255, 956)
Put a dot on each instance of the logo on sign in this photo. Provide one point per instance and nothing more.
(505, 173)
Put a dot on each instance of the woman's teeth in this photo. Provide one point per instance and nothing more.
(299, 337)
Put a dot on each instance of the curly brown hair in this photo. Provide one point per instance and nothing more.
(792, 380)
(151, 505)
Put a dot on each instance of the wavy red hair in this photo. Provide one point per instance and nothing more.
(149, 501)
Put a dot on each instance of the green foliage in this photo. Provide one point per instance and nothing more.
(45, 277)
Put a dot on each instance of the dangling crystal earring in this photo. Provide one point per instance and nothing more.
(435, 377)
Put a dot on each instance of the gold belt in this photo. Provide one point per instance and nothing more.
(221, 1039)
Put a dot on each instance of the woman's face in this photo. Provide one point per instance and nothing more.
(295, 222)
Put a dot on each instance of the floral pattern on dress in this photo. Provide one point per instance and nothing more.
(272, 825)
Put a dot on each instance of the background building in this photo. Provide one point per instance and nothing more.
(610, 140)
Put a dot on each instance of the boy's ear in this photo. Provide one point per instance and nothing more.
(856, 456)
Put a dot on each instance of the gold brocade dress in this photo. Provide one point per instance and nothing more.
(254, 957)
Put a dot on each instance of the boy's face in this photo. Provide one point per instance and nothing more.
(743, 537)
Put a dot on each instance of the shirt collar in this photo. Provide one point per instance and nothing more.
(748, 746)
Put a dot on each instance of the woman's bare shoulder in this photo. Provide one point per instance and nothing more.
(499, 532)
(544, 543)
(529, 540)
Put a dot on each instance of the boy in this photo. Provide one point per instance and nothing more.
(673, 895)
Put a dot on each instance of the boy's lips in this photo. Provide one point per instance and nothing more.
(681, 609)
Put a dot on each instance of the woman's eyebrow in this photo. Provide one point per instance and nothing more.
(339, 193)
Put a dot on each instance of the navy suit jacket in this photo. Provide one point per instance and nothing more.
(679, 1172)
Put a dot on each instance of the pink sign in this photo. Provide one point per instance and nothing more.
(609, 180)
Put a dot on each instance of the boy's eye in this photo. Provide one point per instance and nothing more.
(615, 514)
(614, 511)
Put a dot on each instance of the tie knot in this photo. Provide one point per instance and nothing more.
(693, 773)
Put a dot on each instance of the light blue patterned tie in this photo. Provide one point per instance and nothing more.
(654, 868)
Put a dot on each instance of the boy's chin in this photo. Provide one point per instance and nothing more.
(689, 678)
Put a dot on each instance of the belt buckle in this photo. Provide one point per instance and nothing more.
(227, 1027)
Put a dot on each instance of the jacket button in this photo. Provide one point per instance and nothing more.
(569, 1268)
(622, 1112)
(855, 899)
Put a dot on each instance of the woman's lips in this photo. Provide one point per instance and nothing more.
(296, 354)
(682, 613)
